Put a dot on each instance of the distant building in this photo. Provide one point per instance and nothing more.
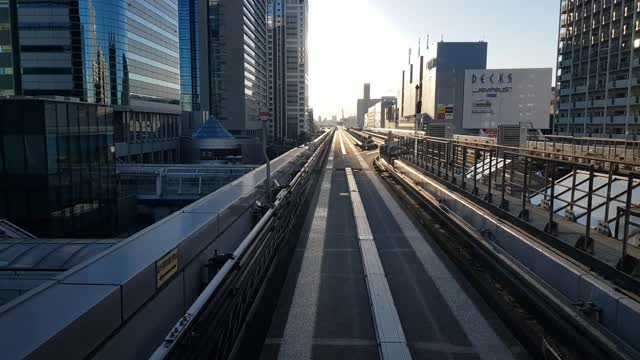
(363, 106)
(384, 114)
(350, 122)
(598, 70)
(288, 92)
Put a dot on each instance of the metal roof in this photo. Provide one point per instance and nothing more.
(212, 129)
(48, 254)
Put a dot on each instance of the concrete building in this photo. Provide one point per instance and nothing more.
(363, 105)
(598, 85)
(288, 85)
(436, 81)
(122, 54)
(223, 61)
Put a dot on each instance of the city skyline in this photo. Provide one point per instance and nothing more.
(358, 53)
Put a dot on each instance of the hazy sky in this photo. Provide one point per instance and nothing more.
(356, 41)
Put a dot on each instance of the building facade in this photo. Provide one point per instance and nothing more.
(598, 79)
(122, 54)
(288, 71)
(57, 167)
(233, 62)
(435, 83)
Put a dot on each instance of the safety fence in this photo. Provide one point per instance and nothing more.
(587, 207)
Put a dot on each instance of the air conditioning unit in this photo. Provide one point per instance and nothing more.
(512, 135)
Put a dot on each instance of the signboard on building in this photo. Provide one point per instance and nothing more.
(507, 96)
(448, 112)
(445, 112)
(442, 112)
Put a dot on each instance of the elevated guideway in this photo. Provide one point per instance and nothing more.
(366, 283)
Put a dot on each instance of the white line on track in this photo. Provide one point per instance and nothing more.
(341, 143)
(389, 332)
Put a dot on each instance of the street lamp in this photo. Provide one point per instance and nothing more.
(264, 116)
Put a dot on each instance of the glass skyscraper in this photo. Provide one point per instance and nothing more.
(189, 24)
(121, 53)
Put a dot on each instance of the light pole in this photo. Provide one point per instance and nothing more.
(264, 116)
(418, 111)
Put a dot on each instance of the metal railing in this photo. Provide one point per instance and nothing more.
(576, 196)
(214, 325)
(618, 149)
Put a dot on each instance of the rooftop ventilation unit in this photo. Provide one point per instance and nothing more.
(512, 135)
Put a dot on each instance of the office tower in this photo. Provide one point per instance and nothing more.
(597, 84)
(233, 64)
(288, 69)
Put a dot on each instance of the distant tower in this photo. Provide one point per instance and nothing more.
(367, 91)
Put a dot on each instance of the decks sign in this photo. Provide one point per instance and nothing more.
(508, 96)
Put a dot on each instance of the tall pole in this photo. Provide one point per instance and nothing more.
(415, 135)
(264, 116)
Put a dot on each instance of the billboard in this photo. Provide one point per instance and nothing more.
(506, 96)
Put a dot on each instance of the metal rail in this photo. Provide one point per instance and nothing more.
(215, 322)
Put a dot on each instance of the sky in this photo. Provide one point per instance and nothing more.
(356, 41)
